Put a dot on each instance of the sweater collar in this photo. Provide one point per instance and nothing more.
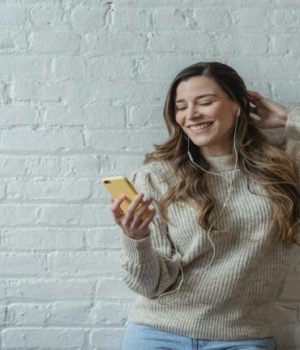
(222, 163)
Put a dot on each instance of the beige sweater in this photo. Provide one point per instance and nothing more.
(233, 297)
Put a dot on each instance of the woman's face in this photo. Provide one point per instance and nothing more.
(200, 100)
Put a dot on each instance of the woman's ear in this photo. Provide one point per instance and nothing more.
(236, 109)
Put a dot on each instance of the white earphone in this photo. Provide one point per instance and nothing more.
(229, 189)
(229, 192)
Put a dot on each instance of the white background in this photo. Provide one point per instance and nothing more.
(82, 85)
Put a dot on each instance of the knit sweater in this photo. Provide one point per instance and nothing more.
(231, 298)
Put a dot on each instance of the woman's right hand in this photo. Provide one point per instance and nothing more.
(133, 223)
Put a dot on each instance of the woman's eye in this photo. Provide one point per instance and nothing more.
(200, 104)
(206, 103)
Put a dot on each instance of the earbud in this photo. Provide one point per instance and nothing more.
(229, 193)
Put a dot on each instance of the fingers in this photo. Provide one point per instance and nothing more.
(115, 208)
(133, 205)
(148, 220)
(134, 210)
(135, 215)
(139, 214)
(254, 95)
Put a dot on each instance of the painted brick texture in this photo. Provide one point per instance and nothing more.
(82, 85)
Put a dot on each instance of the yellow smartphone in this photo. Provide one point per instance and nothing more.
(120, 185)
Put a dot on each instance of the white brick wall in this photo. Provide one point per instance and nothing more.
(82, 83)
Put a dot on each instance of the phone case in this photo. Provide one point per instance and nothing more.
(120, 185)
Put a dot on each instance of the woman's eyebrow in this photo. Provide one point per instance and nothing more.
(200, 96)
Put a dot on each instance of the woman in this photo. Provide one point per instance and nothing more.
(210, 261)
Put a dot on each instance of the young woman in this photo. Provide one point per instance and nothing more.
(210, 260)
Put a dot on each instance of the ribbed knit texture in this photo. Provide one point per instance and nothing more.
(233, 297)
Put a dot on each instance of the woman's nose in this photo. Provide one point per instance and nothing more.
(192, 112)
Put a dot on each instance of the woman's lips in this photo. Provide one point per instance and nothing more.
(199, 129)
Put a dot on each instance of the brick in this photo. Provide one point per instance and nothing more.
(181, 42)
(3, 189)
(280, 17)
(80, 164)
(18, 115)
(74, 215)
(212, 19)
(58, 190)
(287, 91)
(82, 89)
(137, 141)
(3, 287)
(31, 68)
(144, 140)
(93, 115)
(106, 338)
(278, 70)
(177, 19)
(15, 165)
(121, 68)
(61, 338)
(220, 3)
(113, 43)
(146, 117)
(31, 314)
(3, 314)
(84, 263)
(289, 4)
(48, 165)
(42, 14)
(131, 19)
(88, 92)
(69, 67)
(122, 164)
(37, 91)
(101, 140)
(249, 17)
(113, 289)
(108, 314)
(22, 264)
(15, 214)
(242, 44)
(44, 42)
(42, 239)
(4, 93)
(42, 140)
(103, 237)
(69, 313)
(49, 289)
(12, 15)
(163, 68)
(286, 43)
(88, 16)
(6, 40)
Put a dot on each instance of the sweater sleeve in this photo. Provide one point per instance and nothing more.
(151, 265)
(292, 130)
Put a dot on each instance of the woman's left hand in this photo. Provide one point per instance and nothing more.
(271, 114)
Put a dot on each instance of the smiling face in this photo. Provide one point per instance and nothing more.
(200, 100)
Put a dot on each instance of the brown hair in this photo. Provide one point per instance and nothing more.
(266, 164)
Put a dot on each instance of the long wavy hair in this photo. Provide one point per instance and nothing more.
(268, 165)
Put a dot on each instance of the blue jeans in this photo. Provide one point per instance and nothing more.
(140, 337)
